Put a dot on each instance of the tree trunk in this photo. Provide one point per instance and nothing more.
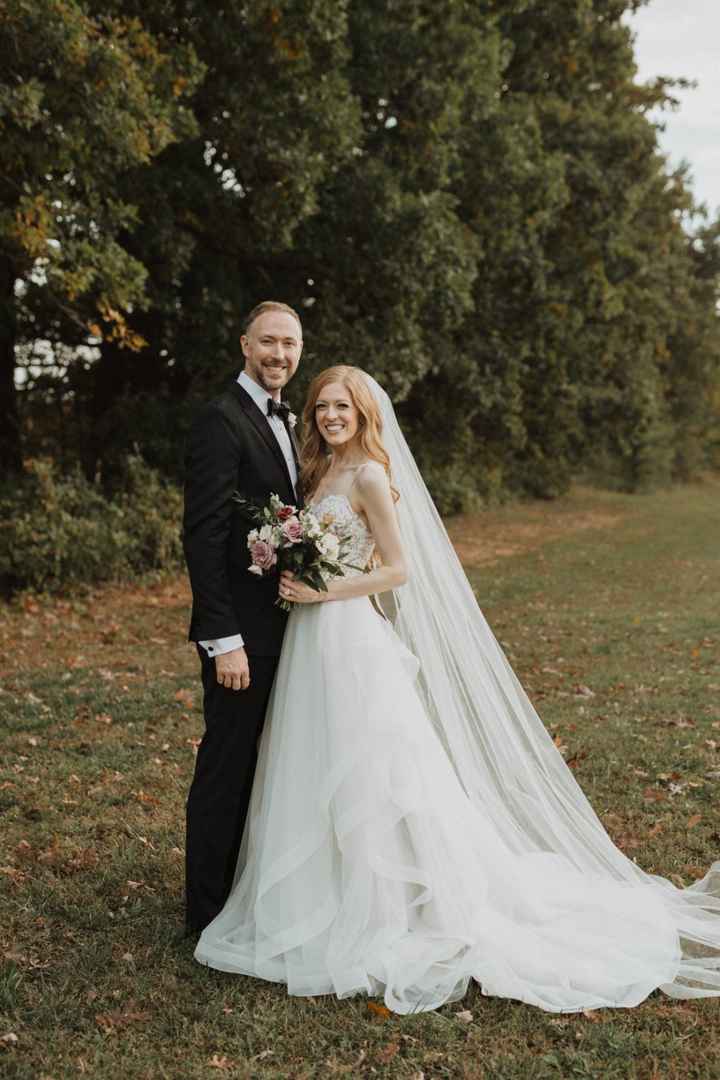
(10, 448)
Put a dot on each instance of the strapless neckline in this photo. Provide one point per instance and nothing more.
(314, 506)
(349, 527)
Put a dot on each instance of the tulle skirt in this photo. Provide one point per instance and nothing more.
(365, 868)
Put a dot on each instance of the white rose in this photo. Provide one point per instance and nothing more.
(253, 536)
(311, 525)
(265, 534)
(329, 545)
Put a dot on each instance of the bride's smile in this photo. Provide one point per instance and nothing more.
(336, 416)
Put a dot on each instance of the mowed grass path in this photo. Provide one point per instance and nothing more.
(608, 606)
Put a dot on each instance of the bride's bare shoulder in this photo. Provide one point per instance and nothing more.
(371, 479)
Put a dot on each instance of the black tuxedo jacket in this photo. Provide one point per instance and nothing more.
(231, 448)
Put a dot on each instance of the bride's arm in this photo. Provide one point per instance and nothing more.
(371, 496)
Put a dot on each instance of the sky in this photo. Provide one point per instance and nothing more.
(682, 38)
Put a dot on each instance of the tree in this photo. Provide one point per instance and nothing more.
(465, 198)
(220, 210)
(83, 99)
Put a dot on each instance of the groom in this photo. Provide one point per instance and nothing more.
(242, 441)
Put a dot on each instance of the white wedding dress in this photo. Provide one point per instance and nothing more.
(366, 867)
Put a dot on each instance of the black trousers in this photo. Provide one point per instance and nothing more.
(219, 795)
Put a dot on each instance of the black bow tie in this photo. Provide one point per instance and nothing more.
(278, 408)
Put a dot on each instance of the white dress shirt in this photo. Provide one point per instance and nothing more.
(218, 646)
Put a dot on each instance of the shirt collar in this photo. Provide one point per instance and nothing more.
(258, 393)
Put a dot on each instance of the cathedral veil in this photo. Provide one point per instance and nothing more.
(504, 758)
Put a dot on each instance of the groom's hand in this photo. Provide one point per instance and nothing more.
(233, 670)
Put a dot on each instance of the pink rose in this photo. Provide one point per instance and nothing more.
(292, 530)
(285, 512)
(263, 556)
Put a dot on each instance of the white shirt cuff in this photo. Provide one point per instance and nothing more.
(218, 646)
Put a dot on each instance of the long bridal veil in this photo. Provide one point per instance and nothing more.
(504, 758)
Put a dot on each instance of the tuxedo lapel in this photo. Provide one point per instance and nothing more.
(261, 425)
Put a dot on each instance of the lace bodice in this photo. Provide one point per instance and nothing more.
(347, 525)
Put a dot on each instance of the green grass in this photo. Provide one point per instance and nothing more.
(615, 594)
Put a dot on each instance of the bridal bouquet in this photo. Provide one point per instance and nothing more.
(296, 540)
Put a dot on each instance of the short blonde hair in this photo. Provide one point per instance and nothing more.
(269, 305)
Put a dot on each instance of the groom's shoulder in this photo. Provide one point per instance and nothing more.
(227, 405)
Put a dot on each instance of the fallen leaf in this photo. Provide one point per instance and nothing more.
(118, 1019)
(218, 1062)
(694, 820)
(143, 797)
(10, 1039)
(379, 1010)
(465, 1016)
(388, 1052)
(654, 794)
(584, 691)
(186, 698)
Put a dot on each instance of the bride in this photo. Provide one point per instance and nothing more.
(412, 825)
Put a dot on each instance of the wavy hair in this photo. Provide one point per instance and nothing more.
(314, 458)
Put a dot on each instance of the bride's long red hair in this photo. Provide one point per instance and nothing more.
(314, 456)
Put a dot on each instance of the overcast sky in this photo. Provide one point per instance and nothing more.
(682, 38)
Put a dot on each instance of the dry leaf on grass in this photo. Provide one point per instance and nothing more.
(388, 1052)
(381, 1011)
(654, 794)
(584, 691)
(218, 1061)
(118, 1019)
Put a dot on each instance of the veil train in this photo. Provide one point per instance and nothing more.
(504, 758)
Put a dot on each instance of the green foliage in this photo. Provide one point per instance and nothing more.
(61, 530)
(83, 99)
(466, 199)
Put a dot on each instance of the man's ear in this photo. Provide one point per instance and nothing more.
(244, 344)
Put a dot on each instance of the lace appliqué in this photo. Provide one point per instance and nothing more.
(350, 527)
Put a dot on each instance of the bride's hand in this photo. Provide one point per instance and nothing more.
(297, 592)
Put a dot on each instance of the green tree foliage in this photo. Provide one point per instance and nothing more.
(83, 99)
(465, 198)
(220, 211)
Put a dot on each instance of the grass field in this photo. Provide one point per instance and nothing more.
(608, 606)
